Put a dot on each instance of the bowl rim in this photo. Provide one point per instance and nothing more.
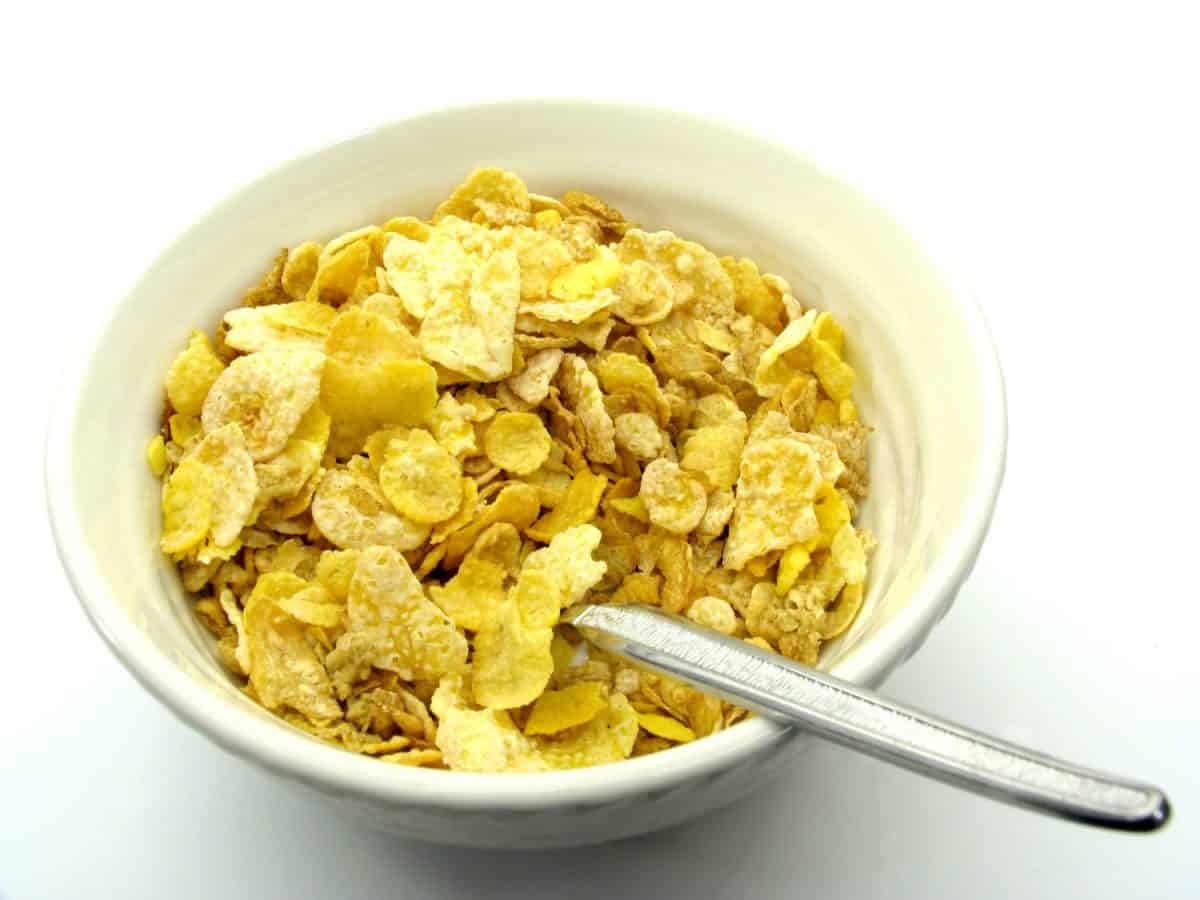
(295, 756)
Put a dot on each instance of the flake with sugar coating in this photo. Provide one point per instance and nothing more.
(492, 195)
(582, 392)
(713, 612)
(713, 454)
(392, 625)
(775, 491)
(279, 325)
(567, 562)
(532, 384)
(639, 434)
(473, 597)
(352, 512)
(284, 475)
(517, 504)
(471, 331)
(512, 662)
(698, 281)
(675, 500)
(791, 353)
(488, 740)
(266, 394)
(284, 670)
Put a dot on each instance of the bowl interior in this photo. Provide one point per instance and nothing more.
(916, 347)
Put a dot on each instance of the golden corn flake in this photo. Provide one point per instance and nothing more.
(675, 500)
(488, 740)
(156, 456)
(421, 479)
(516, 504)
(848, 554)
(638, 434)
(266, 394)
(183, 428)
(216, 491)
(351, 511)
(578, 507)
(625, 375)
(556, 711)
(285, 474)
(839, 617)
(493, 195)
(712, 612)
(713, 454)
(452, 425)
(512, 662)
(473, 597)
(582, 392)
(790, 354)
(665, 727)
(517, 442)
(392, 625)
(466, 513)
(698, 281)
(284, 669)
(775, 491)
(342, 266)
(278, 326)
(751, 293)
(413, 446)
(532, 384)
(192, 375)
(335, 569)
(567, 562)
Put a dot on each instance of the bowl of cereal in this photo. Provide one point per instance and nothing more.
(428, 387)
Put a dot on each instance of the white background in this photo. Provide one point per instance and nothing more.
(1046, 150)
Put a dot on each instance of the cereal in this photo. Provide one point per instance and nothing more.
(578, 507)
(556, 711)
(674, 499)
(192, 374)
(582, 392)
(412, 447)
(533, 383)
(266, 394)
(517, 442)
(421, 478)
(351, 511)
(392, 625)
(284, 669)
(279, 326)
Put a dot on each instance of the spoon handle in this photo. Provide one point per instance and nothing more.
(861, 720)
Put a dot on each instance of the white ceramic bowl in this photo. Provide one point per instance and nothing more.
(930, 385)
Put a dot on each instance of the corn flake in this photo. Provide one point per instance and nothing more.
(582, 391)
(675, 500)
(266, 394)
(578, 507)
(192, 374)
(352, 512)
(392, 625)
(517, 442)
(556, 711)
(421, 479)
(284, 669)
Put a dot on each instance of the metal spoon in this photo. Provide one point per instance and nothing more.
(861, 720)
